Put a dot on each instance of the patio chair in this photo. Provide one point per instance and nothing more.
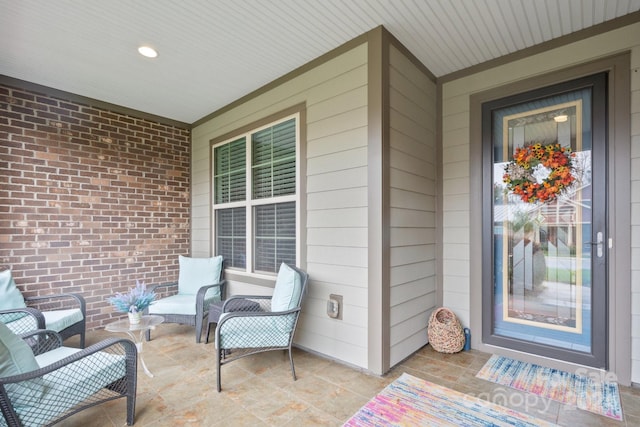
(271, 327)
(42, 382)
(64, 313)
(199, 284)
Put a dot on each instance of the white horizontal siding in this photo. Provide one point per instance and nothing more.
(411, 235)
(404, 292)
(336, 199)
(335, 162)
(416, 183)
(338, 236)
(412, 180)
(335, 276)
(413, 272)
(336, 180)
(335, 95)
(337, 206)
(406, 144)
(337, 255)
(458, 279)
(354, 217)
(335, 143)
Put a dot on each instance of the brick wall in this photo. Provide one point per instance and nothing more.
(90, 200)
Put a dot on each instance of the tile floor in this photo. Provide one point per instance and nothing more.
(259, 390)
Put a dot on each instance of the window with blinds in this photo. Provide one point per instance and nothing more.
(275, 235)
(230, 175)
(254, 185)
(231, 230)
(274, 160)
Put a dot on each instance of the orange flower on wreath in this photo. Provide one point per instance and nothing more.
(540, 172)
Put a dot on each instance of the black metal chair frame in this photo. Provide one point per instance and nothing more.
(196, 320)
(228, 355)
(42, 341)
(236, 304)
(35, 307)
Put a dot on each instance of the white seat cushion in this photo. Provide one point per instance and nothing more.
(61, 389)
(46, 359)
(72, 384)
(57, 320)
(179, 304)
(255, 331)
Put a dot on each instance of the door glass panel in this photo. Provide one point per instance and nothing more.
(542, 221)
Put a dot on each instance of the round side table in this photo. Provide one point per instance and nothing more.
(146, 323)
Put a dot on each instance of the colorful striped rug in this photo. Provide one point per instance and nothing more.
(581, 391)
(410, 401)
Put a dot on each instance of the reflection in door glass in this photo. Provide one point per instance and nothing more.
(542, 218)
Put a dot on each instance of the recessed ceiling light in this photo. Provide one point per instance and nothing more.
(147, 51)
(561, 118)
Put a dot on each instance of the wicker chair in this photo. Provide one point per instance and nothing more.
(63, 313)
(42, 383)
(199, 284)
(271, 327)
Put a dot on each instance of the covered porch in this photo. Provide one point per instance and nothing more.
(259, 391)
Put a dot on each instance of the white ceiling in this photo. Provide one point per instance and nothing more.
(214, 52)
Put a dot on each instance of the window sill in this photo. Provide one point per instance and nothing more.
(257, 279)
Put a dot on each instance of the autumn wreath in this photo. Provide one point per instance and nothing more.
(539, 172)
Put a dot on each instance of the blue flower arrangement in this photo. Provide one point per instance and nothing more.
(134, 301)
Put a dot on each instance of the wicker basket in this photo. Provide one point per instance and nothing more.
(445, 331)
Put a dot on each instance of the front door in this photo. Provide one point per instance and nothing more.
(544, 222)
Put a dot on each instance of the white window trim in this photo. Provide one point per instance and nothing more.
(250, 203)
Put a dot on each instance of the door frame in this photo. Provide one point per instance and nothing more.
(598, 357)
(619, 206)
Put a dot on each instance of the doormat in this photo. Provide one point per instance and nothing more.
(581, 391)
(411, 401)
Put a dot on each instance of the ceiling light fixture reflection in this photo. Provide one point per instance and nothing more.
(561, 118)
(147, 51)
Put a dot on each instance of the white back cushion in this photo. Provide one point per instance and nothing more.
(197, 272)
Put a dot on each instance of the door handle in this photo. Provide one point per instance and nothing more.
(599, 244)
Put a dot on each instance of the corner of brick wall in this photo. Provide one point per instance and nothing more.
(90, 200)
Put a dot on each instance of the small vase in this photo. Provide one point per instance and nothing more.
(134, 318)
